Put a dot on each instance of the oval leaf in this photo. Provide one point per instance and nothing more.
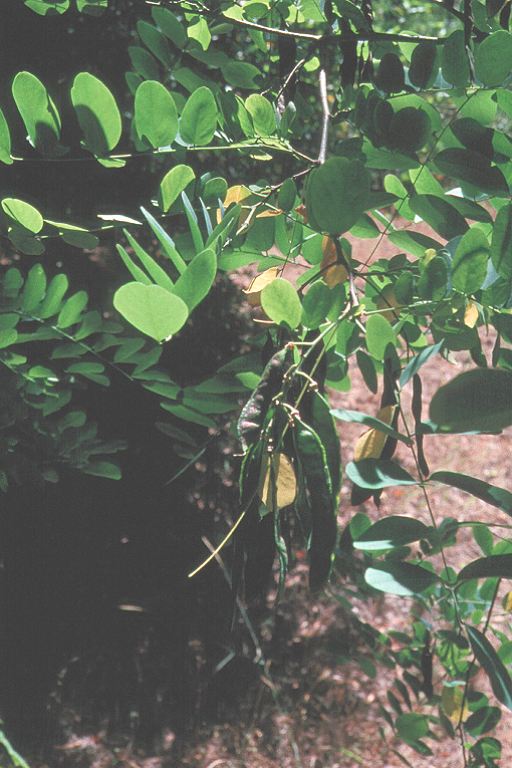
(23, 214)
(97, 113)
(173, 184)
(281, 303)
(151, 309)
(195, 282)
(478, 400)
(399, 578)
(499, 566)
(38, 112)
(393, 531)
(199, 117)
(156, 116)
(336, 195)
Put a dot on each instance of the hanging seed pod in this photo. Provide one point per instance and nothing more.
(313, 460)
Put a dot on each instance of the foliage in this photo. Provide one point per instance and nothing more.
(409, 127)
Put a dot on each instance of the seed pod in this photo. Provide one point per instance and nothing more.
(254, 411)
(323, 424)
(261, 550)
(311, 454)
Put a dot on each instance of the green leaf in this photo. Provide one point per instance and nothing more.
(433, 282)
(8, 336)
(5, 141)
(469, 266)
(412, 726)
(416, 363)
(501, 245)
(491, 494)
(336, 195)
(499, 566)
(409, 129)
(23, 214)
(195, 282)
(390, 74)
(392, 531)
(379, 333)
(72, 309)
(156, 116)
(199, 117)
(103, 469)
(154, 270)
(489, 660)
(281, 303)
(173, 184)
(316, 304)
(412, 242)
(170, 25)
(424, 68)
(358, 417)
(470, 166)
(454, 61)
(165, 241)
(477, 400)
(262, 113)
(155, 41)
(92, 7)
(493, 60)
(38, 113)
(135, 271)
(97, 113)
(378, 473)
(34, 288)
(151, 309)
(53, 300)
(143, 62)
(241, 74)
(79, 238)
(483, 720)
(50, 7)
(441, 216)
(24, 241)
(198, 30)
(399, 578)
(188, 414)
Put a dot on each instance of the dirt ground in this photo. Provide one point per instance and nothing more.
(310, 708)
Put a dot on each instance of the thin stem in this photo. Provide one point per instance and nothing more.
(326, 116)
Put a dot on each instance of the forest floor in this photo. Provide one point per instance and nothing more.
(312, 707)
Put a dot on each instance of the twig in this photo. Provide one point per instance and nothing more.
(326, 116)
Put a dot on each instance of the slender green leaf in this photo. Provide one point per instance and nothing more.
(378, 473)
(491, 663)
(491, 494)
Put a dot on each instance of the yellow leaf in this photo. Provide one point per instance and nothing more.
(507, 602)
(235, 195)
(428, 256)
(471, 315)
(371, 443)
(451, 702)
(258, 283)
(284, 479)
(336, 274)
(387, 300)
(269, 213)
